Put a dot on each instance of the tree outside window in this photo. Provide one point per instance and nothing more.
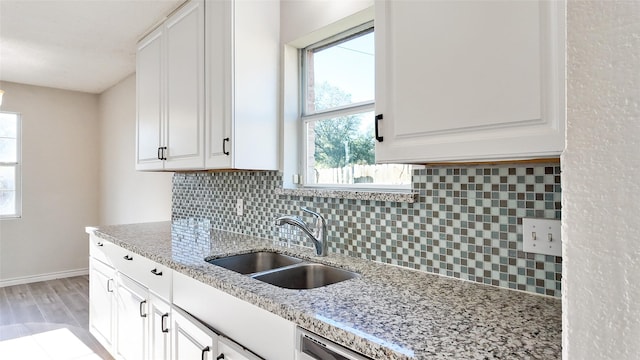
(338, 90)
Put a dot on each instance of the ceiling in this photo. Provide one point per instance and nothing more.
(81, 45)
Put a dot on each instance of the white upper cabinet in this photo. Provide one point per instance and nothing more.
(150, 114)
(469, 80)
(170, 93)
(184, 91)
(242, 74)
(207, 88)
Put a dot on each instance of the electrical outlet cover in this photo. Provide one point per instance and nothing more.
(542, 236)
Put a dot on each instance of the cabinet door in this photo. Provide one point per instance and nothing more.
(256, 86)
(101, 304)
(159, 329)
(249, 325)
(229, 350)
(191, 339)
(242, 84)
(132, 313)
(149, 73)
(469, 80)
(184, 132)
(218, 54)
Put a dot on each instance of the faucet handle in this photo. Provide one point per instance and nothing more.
(309, 211)
(313, 213)
(320, 232)
(316, 216)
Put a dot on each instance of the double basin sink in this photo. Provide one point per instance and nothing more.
(284, 271)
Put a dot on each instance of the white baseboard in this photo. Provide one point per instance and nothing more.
(43, 277)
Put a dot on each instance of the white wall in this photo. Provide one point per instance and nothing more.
(299, 18)
(127, 196)
(78, 170)
(601, 182)
(60, 182)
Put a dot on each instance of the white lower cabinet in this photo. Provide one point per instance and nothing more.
(131, 323)
(191, 339)
(229, 350)
(134, 315)
(129, 302)
(261, 332)
(102, 302)
(143, 322)
(160, 318)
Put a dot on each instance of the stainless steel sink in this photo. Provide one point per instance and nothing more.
(306, 276)
(283, 270)
(255, 262)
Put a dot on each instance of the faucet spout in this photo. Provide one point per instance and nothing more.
(318, 237)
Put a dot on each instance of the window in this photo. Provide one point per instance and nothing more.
(9, 165)
(338, 100)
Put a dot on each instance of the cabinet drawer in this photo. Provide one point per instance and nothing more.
(157, 278)
(249, 325)
(147, 272)
(97, 249)
(101, 250)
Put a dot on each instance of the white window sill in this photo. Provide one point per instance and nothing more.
(10, 217)
(406, 197)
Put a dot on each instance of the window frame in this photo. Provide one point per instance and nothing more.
(17, 167)
(334, 40)
(306, 117)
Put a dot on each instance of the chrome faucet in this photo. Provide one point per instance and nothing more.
(317, 232)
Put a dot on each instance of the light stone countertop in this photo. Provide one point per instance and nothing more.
(386, 313)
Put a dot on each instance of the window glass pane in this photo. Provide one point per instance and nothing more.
(340, 147)
(8, 125)
(7, 202)
(7, 190)
(8, 150)
(341, 150)
(7, 178)
(341, 74)
(9, 167)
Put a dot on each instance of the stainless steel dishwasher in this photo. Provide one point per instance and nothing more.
(310, 346)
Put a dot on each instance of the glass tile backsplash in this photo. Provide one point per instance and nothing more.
(466, 222)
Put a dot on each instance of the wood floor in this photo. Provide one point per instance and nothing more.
(47, 320)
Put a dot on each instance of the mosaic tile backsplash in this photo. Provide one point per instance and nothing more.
(466, 222)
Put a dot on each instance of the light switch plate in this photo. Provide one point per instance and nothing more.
(240, 207)
(542, 236)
